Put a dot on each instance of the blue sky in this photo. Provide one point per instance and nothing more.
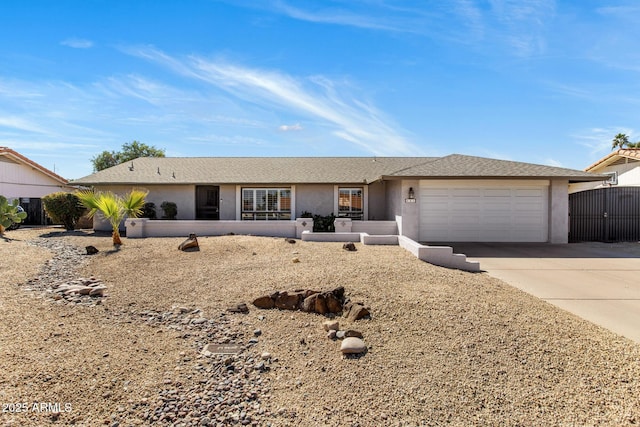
(539, 81)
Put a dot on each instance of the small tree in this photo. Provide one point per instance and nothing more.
(63, 208)
(114, 207)
(9, 214)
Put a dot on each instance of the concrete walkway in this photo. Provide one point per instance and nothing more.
(599, 282)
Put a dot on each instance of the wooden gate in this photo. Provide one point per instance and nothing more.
(605, 215)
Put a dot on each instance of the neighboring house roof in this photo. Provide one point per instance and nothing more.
(7, 154)
(325, 170)
(621, 155)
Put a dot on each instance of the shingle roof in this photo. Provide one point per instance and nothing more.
(461, 166)
(326, 170)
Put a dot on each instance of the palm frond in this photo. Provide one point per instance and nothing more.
(133, 202)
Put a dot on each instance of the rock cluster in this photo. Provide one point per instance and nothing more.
(352, 342)
(73, 289)
(305, 300)
(230, 388)
(57, 277)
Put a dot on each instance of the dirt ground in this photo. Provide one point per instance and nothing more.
(444, 346)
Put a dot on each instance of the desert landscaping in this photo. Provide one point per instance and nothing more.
(163, 338)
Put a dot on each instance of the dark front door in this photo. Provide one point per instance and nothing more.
(207, 202)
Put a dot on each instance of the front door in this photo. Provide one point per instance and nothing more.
(207, 202)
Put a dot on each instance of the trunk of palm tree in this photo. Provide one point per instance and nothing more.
(115, 236)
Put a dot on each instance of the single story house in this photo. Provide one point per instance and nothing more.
(455, 198)
(621, 167)
(26, 180)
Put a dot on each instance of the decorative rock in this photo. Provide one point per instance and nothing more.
(333, 305)
(352, 333)
(240, 308)
(353, 345)
(265, 355)
(355, 311)
(331, 334)
(91, 250)
(286, 301)
(321, 304)
(309, 303)
(265, 302)
(349, 246)
(257, 332)
(295, 260)
(190, 244)
(331, 324)
(340, 334)
(97, 291)
(289, 240)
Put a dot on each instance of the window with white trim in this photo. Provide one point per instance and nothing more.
(264, 204)
(351, 203)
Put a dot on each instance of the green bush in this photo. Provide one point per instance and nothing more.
(170, 210)
(149, 211)
(9, 214)
(63, 208)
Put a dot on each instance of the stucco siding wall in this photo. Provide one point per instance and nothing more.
(20, 180)
(393, 199)
(377, 202)
(559, 212)
(314, 198)
(181, 195)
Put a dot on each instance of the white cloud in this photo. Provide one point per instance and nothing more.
(599, 140)
(331, 103)
(77, 43)
(288, 128)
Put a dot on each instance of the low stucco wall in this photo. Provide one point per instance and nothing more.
(143, 227)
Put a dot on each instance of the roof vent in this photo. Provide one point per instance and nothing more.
(158, 170)
(131, 167)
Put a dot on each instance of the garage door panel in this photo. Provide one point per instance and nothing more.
(491, 213)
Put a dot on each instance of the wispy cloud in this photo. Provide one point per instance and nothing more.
(334, 104)
(77, 43)
(289, 128)
(599, 140)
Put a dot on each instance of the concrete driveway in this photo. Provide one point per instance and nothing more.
(599, 282)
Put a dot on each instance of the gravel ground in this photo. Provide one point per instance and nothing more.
(444, 346)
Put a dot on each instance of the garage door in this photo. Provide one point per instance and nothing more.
(484, 211)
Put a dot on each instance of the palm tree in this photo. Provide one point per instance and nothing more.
(621, 140)
(114, 207)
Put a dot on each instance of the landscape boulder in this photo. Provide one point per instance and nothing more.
(190, 244)
(352, 345)
(349, 246)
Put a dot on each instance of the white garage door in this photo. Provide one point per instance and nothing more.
(484, 211)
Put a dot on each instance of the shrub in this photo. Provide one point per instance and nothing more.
(149, 211)
(170, 210)
(324, 223)
(63, 208)
(10, 214)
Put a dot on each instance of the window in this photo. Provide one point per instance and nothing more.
(351, 203)
(266, 204)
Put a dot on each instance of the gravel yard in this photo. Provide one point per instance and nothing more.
(444, 346)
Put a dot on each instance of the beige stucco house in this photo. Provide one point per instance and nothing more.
(427, 199)
(26, 180)
(622, 168)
